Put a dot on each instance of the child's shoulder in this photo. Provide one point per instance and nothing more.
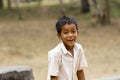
(78, 45)
(55, 50)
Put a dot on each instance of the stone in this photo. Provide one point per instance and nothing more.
(18, 72)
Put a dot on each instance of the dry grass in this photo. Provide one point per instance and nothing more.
(27, 43)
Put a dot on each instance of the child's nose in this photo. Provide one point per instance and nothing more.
(70, 34)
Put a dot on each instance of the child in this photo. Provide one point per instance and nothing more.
(67, 59)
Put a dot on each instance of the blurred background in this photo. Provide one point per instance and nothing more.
(27, 33)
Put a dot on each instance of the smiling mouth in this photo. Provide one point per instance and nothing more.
(70, 40)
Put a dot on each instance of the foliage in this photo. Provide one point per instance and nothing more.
(35, 11)
(115, 8)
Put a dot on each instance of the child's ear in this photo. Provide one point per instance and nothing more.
(59, 36)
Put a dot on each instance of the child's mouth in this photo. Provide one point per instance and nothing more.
(70, 41)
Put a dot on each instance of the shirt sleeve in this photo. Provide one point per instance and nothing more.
(53, 64)
(82, 60)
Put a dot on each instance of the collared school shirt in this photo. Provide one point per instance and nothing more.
(62, 64)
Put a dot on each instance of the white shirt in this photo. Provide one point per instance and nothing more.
(63, 64)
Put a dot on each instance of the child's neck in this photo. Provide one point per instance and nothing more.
(70, 49)
(72, 52)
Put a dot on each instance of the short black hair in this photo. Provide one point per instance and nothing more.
(65, 20)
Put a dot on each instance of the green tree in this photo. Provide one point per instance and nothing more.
(100, 10)
(1, 4)
(9, 4)
(85, 6)
(62, 8)
(105, 12)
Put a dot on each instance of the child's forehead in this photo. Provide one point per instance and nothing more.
(68, 26)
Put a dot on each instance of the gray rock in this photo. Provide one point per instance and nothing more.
(16, 73)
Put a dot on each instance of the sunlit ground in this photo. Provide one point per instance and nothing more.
(27, 43)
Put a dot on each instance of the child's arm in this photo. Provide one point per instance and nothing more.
(54, 78)
(80, 75)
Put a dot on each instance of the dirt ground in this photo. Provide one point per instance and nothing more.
(27, 43)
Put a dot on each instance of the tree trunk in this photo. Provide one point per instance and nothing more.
(1, 4)
(95, 10)
(62, 8)
(100, 10)
(105, 12)
(9, 4)
(85, 6)
(19, 12)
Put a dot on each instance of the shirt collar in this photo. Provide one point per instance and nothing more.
(63, 48)
(65, 51)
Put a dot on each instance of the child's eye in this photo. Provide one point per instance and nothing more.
(65, 32)
(73, 31)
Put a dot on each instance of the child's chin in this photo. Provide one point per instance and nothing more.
(71, 45)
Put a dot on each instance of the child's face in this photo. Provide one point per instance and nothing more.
(68, 35)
